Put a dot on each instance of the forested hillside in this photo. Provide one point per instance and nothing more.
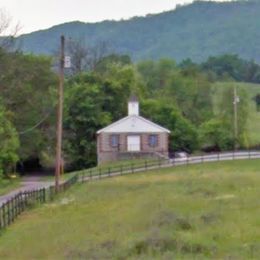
(195, 31)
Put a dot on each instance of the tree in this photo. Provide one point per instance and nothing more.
(78, 52)
(9, 142)
(8, 31)
(27, 86)
(215, 135)
(156, 75)
(85, 57)
(192, 94)
(183, 135)
(84, 115)
(226, 114)
(113, 59)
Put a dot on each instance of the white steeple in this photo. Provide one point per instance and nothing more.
(133, 106)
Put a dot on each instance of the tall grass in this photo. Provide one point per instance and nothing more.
(191, 212)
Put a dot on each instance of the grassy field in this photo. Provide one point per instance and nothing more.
(254, 116)
(207, 211)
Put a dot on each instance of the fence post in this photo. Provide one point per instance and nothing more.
(12, 205)
(132, 167)
(18, 203)
(1, 223)
(44, 195)
(4, 215)
(82, 177)
(145, 164)
(121, 169)
(9, 212)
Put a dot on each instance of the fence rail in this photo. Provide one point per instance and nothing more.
(104, 172)
(22, 201)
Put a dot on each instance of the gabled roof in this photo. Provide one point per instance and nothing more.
(133, 124)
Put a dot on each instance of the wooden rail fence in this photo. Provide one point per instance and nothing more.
(104, 172)
(23, 201)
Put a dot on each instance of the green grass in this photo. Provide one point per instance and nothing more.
(7, 185)
(121, 164)
(254, 116)
(189, 212)
(128, 162)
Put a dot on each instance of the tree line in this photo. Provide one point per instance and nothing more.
(176, 96)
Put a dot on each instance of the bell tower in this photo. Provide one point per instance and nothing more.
(133, 106)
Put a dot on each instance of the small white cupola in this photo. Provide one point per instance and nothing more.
(133, 106)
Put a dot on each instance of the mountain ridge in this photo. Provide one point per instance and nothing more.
(195, 31)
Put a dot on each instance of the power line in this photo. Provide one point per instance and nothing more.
(35, 126)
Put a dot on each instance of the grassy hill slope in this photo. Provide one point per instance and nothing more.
(254, 115)
(193, 31)
(201, 212)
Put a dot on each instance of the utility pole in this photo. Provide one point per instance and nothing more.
(236, 100)
(59, 116)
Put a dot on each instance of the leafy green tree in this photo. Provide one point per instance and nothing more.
(27, 86)
(9, 143)
(227, 114)
(183, 135)
(117, 82)
(192, 95)
(232, 67)
(155, 75)
(227, 64)
(103, 64)
(84, 115)
(215, 135)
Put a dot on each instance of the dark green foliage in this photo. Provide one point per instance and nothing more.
(194, 31)
(178, 97)
(92, 102)
(105, 62)
(215, 134)
(257, 101)
(183, 133)
(27, 90)
(83, 116)
(227, 115)
(9, 142)
(232, 67)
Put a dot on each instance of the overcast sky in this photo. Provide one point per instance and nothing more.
(33, 15)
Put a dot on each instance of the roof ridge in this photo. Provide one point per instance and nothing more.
(134, 116)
